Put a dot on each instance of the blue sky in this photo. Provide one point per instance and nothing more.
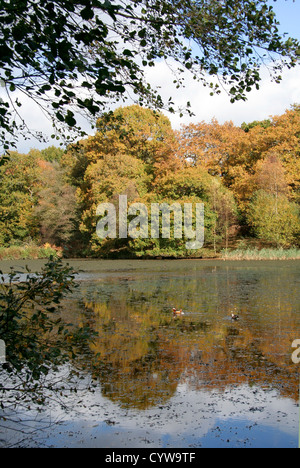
(288, 13)
(271, 99)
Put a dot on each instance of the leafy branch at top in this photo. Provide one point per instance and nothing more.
(80, 56)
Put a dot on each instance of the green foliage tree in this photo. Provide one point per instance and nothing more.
(104, 181)
(274, 219)
(137, 131)
(256, 123)
(70, 56)
(52, 154)
(19, 181)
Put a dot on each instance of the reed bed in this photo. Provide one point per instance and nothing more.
(30, 252)
(262, 254)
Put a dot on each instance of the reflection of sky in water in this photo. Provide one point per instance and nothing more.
(239, 417)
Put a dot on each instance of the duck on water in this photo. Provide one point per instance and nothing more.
(177, 313)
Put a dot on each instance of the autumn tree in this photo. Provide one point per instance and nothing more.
(210, 145)
(236, 154)
(76, 56)
(274, 220)
(132, 130)
(280, 137)
(132, 153)
(270, 177)
(36, 201)
(273, 217)
(104, 181)
(56, 209)
(186, 182)
(246, 179)
(224, 206)
(195, 185)
(19, 184)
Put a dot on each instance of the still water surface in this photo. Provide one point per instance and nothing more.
(200, 380)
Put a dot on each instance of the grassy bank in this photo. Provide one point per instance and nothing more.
(262, 254)
(35, 252)
(29, 252)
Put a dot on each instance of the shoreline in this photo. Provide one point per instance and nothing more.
(44, 253)
(78, 263)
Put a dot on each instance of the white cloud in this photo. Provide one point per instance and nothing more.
(271, 99)
(37, 121)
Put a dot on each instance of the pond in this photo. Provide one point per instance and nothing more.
(198, 380)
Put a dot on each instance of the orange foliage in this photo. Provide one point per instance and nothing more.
(237, 155)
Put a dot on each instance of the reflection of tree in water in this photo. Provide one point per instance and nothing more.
(239, 358)
(134, 366)
(149, 382)
(143, 353)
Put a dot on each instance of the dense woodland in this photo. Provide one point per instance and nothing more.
(248, 178)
